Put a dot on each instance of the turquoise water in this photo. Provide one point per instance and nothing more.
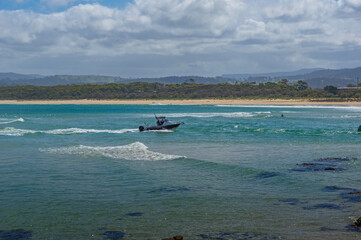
(230, 172)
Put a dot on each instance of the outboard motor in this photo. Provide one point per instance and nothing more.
(141, 128)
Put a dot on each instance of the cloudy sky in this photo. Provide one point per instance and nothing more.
(154, 38)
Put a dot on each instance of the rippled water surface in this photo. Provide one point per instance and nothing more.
(229, 172)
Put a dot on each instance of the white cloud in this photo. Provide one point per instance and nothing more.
(353, 3)
(187, 29)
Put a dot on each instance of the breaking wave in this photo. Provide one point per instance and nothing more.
(351, 108)
(7, 121)
(133, 151)
(218, 114)
(10, 131)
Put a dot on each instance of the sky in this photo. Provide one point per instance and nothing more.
(156, 38)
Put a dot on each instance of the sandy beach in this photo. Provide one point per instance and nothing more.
(189, 102)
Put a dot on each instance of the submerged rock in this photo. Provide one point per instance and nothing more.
(355, 227)
(18, 234)
(358, 222)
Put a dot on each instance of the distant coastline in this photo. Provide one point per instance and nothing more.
(192, 102)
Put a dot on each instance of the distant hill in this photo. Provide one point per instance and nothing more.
(17, 76)
(272, 74)
(94, 79)
(315, 77)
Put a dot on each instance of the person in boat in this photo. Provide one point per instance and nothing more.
(161, 121)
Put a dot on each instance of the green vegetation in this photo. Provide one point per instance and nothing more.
(188, 90)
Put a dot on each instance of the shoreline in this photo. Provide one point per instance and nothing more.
(187, 102)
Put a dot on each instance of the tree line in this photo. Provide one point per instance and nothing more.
(188, 90)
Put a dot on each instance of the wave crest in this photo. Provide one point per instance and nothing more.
(7, 121)
(133, 151)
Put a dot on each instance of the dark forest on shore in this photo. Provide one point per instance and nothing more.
(141, 90)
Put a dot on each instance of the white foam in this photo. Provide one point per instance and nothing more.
(161, 131)
(7, 121)
(10, 131)
(67, 131)
(133, 151)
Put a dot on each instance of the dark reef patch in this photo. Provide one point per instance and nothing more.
(169, 190)
(335, 188)
(326, 229)
(264, 175)
(134, 214)
(336, 159)
(292, 201)
(16, 234)
(353, 228)
(322, 206)
(114, 235)
(311, 167)
(353, 196)
(323, 164)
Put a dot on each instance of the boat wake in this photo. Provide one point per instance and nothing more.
(133, 151)
(10, 131)
(7, 121)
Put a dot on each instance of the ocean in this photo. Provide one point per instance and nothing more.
(228, 172)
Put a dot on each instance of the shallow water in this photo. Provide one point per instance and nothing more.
(86, 172)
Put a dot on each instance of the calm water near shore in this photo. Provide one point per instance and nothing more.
(231, 172)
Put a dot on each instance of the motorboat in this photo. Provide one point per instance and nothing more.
(162, 124)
